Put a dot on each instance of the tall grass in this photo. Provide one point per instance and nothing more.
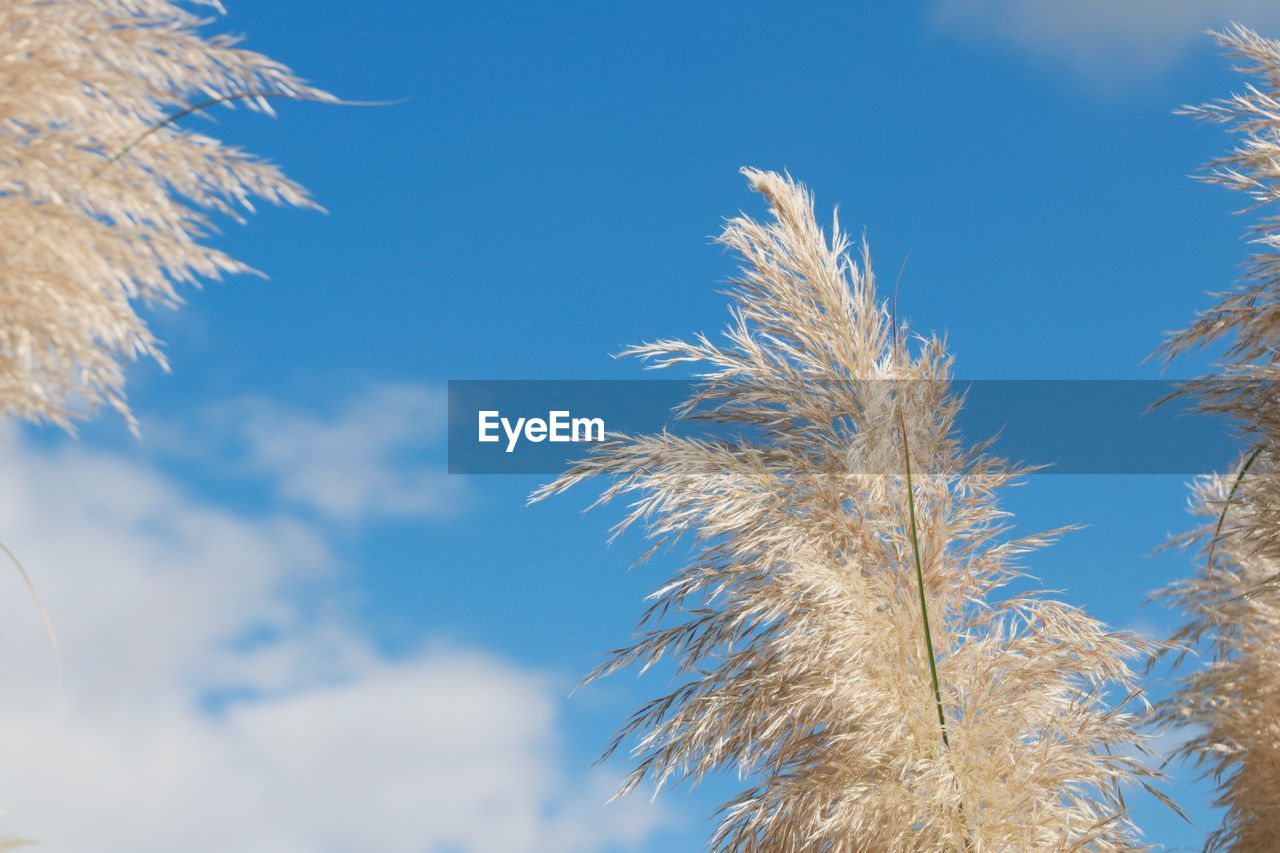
(1230, 700)
(842, 631)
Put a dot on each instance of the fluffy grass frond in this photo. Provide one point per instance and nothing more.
(1248, 318)
(1231, 701)
(796, 628)
(103, 199)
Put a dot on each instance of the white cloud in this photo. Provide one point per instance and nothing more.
(1101, 37)
(337, 749)
(365, 458)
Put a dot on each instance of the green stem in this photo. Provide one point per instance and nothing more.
(924, 617)
(1226, 505)
(924, 604)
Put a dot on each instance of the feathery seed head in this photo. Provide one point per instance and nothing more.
(1231, 702)
(103, 200)
(797, 625)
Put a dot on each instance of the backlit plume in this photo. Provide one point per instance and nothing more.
(824, 568)
(103, 197)
(1230, 701)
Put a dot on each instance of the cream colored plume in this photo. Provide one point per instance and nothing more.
(1229, 700)
(796, 628)
(103, 198)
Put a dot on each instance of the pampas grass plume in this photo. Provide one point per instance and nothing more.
(824, 570)
(103, 198)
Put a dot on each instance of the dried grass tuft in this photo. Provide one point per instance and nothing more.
(797, 627)
(103, 198)
(1231, 699)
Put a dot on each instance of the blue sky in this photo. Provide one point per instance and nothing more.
(284, 551)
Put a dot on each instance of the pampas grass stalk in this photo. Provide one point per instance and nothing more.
(842, 634)
(1230, 702)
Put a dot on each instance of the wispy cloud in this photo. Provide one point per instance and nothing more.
(1101, 38)
(376, 453)
(163, 600)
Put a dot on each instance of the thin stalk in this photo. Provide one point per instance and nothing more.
(924, 604)
(1222, 518)
(177, 115)
(924, 617)
(1226, 505)
(915, 553)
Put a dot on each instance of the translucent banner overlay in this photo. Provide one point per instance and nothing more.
(1068, 426)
